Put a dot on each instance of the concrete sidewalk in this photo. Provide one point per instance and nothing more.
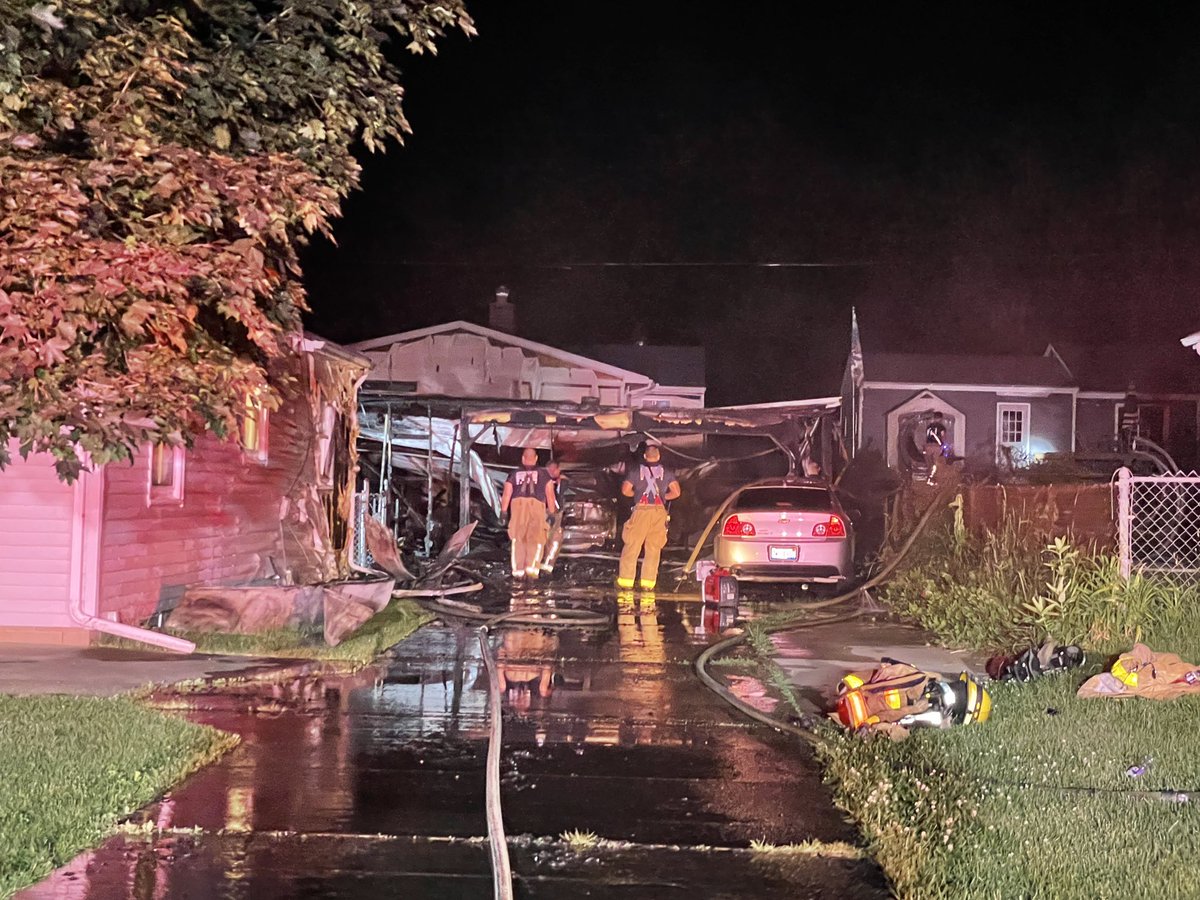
(27, 669)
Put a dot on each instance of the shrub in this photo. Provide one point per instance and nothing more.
(998, 591)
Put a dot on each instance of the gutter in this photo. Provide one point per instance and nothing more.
(129, 632)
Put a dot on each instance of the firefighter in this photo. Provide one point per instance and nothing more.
(652, 487)
(554, 525)
(530, 493)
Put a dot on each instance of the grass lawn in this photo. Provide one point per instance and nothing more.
(396, 622)
(1033, 803)
(73, 766)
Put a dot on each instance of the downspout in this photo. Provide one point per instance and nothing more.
(129, 632)
(86, 534)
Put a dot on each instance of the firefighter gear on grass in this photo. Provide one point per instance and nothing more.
(1144, 673)
(897, 697)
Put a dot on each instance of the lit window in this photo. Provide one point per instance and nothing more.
(254, 429)
(164, 483)
(1012, 428)
(162, 465)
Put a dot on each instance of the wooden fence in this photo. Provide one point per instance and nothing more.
(1084, 512)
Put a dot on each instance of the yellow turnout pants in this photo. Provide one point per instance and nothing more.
(527, 529)
(647, 526)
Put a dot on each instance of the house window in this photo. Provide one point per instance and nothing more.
(1012, 431)
(165, 478)
(254, 429)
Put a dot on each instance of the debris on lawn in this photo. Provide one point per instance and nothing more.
(1137, 771)
(897, 697)
(1049, 659)
(1144, 673)
(338, 607)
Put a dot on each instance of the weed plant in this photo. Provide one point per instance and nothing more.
(1003, 591)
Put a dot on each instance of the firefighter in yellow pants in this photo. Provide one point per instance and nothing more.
(528, 493)
(652, 487)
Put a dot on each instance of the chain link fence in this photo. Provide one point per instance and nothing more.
(365, 503)
(1158, 524)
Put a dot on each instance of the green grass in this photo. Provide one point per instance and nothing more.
(1034, 804)
(1031, 804)
(73, 766)
(396, 622)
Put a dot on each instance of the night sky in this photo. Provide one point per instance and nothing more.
(972, 179)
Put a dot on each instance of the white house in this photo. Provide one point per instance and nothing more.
(464, 360)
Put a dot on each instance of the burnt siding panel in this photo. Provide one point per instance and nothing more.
(226, 529)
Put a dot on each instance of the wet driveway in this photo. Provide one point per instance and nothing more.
(372, 785)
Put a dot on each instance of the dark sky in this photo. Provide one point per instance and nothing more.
(972, 178)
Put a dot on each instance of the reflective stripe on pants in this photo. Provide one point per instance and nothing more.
(527, 529)
(647, 526)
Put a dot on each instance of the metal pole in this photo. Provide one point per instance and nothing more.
(823, 426)
(1125, 521)
(464, 473)
(429, 487)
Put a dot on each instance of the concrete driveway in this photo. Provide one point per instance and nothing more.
(372, 785)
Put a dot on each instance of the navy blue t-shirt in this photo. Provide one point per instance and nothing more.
(649, 483)
(529, 482)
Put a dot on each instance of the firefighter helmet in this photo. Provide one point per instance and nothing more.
(961, 702)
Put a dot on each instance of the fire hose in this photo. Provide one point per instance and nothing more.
(566, 617)
(800, 621)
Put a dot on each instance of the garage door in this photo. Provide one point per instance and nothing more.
(36, 524)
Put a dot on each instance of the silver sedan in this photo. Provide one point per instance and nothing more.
(790, 531)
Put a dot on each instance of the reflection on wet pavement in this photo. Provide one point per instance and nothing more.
(372, 785)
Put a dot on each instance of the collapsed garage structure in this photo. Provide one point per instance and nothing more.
(434, 464)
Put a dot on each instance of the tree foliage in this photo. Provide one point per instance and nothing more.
(160, 163)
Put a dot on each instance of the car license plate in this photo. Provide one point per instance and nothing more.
(782, 554)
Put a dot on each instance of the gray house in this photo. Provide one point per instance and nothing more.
(989, 409)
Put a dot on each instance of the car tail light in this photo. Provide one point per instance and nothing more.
(734, 527)
(832, 528)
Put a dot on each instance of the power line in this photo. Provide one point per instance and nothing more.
(567, 266)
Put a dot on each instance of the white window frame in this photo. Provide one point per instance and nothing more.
(1023, 445)
(166, 494)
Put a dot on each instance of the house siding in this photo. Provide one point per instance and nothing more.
(1050, 419)
(239, 519)
(36, 540)
(225, 530)
(1095, 424)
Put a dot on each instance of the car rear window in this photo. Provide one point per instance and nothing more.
(804, 499)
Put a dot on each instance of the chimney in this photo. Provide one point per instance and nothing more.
(501, 314)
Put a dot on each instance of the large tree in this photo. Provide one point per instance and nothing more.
(160, 163)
